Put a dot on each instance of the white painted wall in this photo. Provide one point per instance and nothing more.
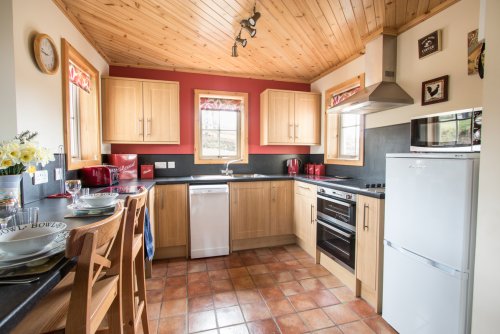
(38, 95)
(486, 301)
(465, 91)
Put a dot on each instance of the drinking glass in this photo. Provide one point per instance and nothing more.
(73, 187)
(8, 209)
(26, 216)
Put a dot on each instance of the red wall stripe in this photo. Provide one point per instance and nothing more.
(188, 82)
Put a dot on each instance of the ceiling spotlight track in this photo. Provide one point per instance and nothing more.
(249, 26)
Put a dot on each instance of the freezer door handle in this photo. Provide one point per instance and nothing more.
(450, 271)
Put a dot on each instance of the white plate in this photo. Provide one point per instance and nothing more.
(9, 257)
(29, 238)
(82, 206)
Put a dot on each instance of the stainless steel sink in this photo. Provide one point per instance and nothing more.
(225, 177)
(249, 175)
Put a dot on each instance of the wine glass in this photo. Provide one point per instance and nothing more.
(73, 187)
(8, 208)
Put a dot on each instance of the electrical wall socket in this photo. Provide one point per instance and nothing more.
(58, 174)
(160, 164)
(171, 164)
(41, 176)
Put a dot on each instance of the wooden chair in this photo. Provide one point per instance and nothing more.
(134, 279)
(80, 302)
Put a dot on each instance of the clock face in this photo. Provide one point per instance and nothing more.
(48, 54)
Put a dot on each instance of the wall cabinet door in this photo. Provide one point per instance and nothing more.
(249, 209)
(281, 219)
(161, 112)
(171, 215)
(307, 118)
(305, 216)
(122, 115)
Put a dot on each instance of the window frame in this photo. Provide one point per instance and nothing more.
(243, 126)
(333, 125)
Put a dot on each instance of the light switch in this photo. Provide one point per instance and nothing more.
(160, 164)
(171, 164)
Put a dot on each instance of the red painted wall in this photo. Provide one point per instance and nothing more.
(188, 82)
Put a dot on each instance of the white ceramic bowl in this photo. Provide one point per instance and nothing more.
(99, 199)
(29, 238)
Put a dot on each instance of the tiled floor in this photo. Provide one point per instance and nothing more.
(267, 290)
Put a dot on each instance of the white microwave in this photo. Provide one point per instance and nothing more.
(454, 131)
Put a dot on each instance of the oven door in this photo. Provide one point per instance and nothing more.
(338, 243)
(337, 212)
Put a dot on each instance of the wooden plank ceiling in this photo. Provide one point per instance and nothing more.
(296, 40)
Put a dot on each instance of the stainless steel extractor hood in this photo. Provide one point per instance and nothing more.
(381, 91)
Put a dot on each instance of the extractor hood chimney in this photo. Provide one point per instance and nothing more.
(381, 91)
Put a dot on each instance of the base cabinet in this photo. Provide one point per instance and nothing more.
(369, 249)
(305, 216)
(171, 220)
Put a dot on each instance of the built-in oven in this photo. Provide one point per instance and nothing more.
(336, 225)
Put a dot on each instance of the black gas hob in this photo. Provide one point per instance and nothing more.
(368, 185)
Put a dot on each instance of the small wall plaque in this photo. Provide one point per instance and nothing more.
(429, 44)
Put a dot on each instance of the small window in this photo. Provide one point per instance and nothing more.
(220, 127)
(344, 133)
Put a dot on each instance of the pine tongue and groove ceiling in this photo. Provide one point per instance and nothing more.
(296, 40)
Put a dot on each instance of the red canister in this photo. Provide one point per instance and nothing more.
(319, 169)
(310, 169)
(306, 168)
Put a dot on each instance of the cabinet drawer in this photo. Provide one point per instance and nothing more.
(305, 189)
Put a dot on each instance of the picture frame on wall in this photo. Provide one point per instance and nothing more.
(435, 90)
(430, 44)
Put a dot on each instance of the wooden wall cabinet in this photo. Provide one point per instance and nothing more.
(305, 216)
(289, 118)
(369, 249)
(140, 111)
(171, 220)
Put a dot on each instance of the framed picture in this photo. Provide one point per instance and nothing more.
(435, 90)
(474, 48)
(429, 44)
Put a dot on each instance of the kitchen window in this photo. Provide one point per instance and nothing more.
(344, 133)
(220, 127)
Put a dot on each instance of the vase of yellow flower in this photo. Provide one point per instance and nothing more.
(22, 154)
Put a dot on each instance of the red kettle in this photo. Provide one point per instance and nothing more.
(293, 166)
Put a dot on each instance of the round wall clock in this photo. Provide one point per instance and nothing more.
(46, 54)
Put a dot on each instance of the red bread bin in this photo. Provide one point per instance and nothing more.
(126, 163)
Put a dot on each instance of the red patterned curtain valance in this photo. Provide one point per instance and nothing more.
(210, 103)
(79, 77)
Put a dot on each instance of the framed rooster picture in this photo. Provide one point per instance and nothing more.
(435, 90)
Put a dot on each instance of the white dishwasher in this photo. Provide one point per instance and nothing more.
(209, 220)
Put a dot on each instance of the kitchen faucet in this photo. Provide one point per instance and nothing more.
(227, 171)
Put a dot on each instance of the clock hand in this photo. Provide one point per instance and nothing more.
(43, 51)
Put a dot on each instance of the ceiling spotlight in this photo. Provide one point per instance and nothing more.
(239, 40)
(234, 51)
(254, 18)
(251, 31)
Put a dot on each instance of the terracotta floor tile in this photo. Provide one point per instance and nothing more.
(276, 267)
(215, 259)
(199, 289)
(243, 283)
(176, 271)
(219, 274)
(154, 311)
(153, 326)
(248, 296)
(362, 308)
(266, 326)
(331, 281)
(357, 327)
(238, 272)
(222, 285)
(318, 271)
(291, 324)
(379, 325)
(201, 321)
(312, 284)
(176, 281)
(262, 251)
(225, 299)
(196, 267)
(283, 276)
(258, 269)
(173, 307)
(255, 311)
(233, 263)
(284, 257)
(323, 298)
(174, 292)
(202, 303)
(155, 283)
(291, 288)
(271, 293)
(340, 313)
(154, 296)
(172, 325)
(159, 271)
(216, 265)
(250, 261)
(280, 307)
(300, 255)
(300, 274)
(293, 265)
(302, 302)
(228, 316)
(344, 294)
(307, 262)
(178, 262)
(277, 250)
(237, 329)
(329, 330)
(267, 259)
(264, 280)
(198, 277)
(316, 319)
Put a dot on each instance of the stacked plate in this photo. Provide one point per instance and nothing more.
(95, 204)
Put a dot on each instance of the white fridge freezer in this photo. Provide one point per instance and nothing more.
(429, 241)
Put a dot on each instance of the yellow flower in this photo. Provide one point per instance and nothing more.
(31, 169)
(27, 155)
(7, 163)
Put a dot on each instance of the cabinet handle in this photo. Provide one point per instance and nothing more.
(141, 127)
(302, 187)
(162, 201)
(296, 131)
(365, 223)
(290, 128)
(148, 127)
(312, 213)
